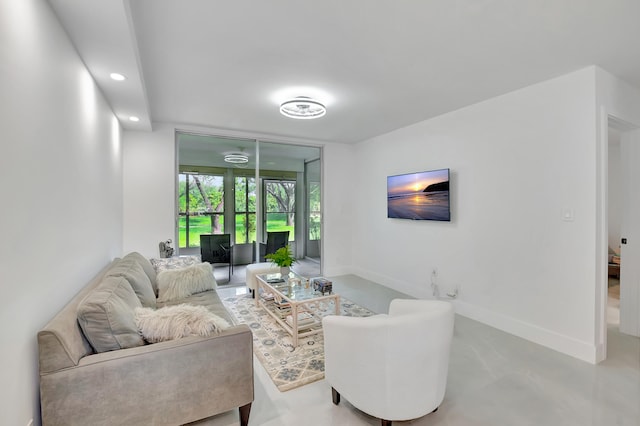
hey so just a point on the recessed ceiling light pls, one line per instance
(302, 108)
(117, 77)
(134, 118)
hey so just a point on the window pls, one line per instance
(245, 209)
(314, 211)
(280, 206)
(201, 207)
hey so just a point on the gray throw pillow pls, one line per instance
(106, 316)
(146, 266)
(131, 270)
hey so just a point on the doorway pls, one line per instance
(621, 288)
(614, 209)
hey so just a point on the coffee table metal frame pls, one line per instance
(300, 298)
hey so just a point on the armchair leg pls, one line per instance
(245, 410)
(335, 396)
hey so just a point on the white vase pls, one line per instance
(284, 271)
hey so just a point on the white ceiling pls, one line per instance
(378, 65)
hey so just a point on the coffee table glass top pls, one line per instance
(293, 287)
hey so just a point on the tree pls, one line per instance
(284, 193)
(215, 219)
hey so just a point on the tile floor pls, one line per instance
(494, 379)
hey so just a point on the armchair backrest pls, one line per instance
(276, 240)
(214, 248)
(391, 366)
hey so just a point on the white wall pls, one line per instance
(61, 186)
(149, 189)
(149, 192)
(517, 162)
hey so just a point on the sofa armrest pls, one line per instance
(172, 382)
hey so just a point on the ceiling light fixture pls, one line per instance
(236, 158)
(134, 118)
(117, 77)
(302, 108)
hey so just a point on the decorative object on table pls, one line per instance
(322, 285)
(165, 249)
(294, 281)
(283, 257)
(288, 366)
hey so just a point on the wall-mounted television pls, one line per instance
(419, 196)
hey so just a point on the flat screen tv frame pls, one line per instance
(420, 196)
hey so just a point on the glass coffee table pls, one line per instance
(293, 303)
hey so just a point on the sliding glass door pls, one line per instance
(246, 188)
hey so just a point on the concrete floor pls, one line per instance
(494, 379)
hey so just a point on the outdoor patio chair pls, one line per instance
(217, 249)
(275, 240)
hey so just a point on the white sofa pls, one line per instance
(393, 366)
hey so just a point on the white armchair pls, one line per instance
(393, 366)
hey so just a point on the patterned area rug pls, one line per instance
(289, 367)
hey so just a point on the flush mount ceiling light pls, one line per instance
(117, 76)
(302, 108)
(236, 158)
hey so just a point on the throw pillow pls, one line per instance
(146, 266)
(174, 322)
(130, 269)
(106, 316)
(175, 262)
(175, 284)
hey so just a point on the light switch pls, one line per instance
(567, 215)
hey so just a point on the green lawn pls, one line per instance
(197, 225)
(202, 225)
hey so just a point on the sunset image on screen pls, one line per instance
(419, 196)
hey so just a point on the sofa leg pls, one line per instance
(244, 414)
(335, 396)
(385, 422)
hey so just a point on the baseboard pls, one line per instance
(550, 339)
(390, 282)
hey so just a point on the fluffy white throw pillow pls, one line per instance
(175, 284)
(174, 322)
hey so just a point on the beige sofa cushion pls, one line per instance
(106, 316)
(146, 266)
(130, 269)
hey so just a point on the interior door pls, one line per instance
(630, 231)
